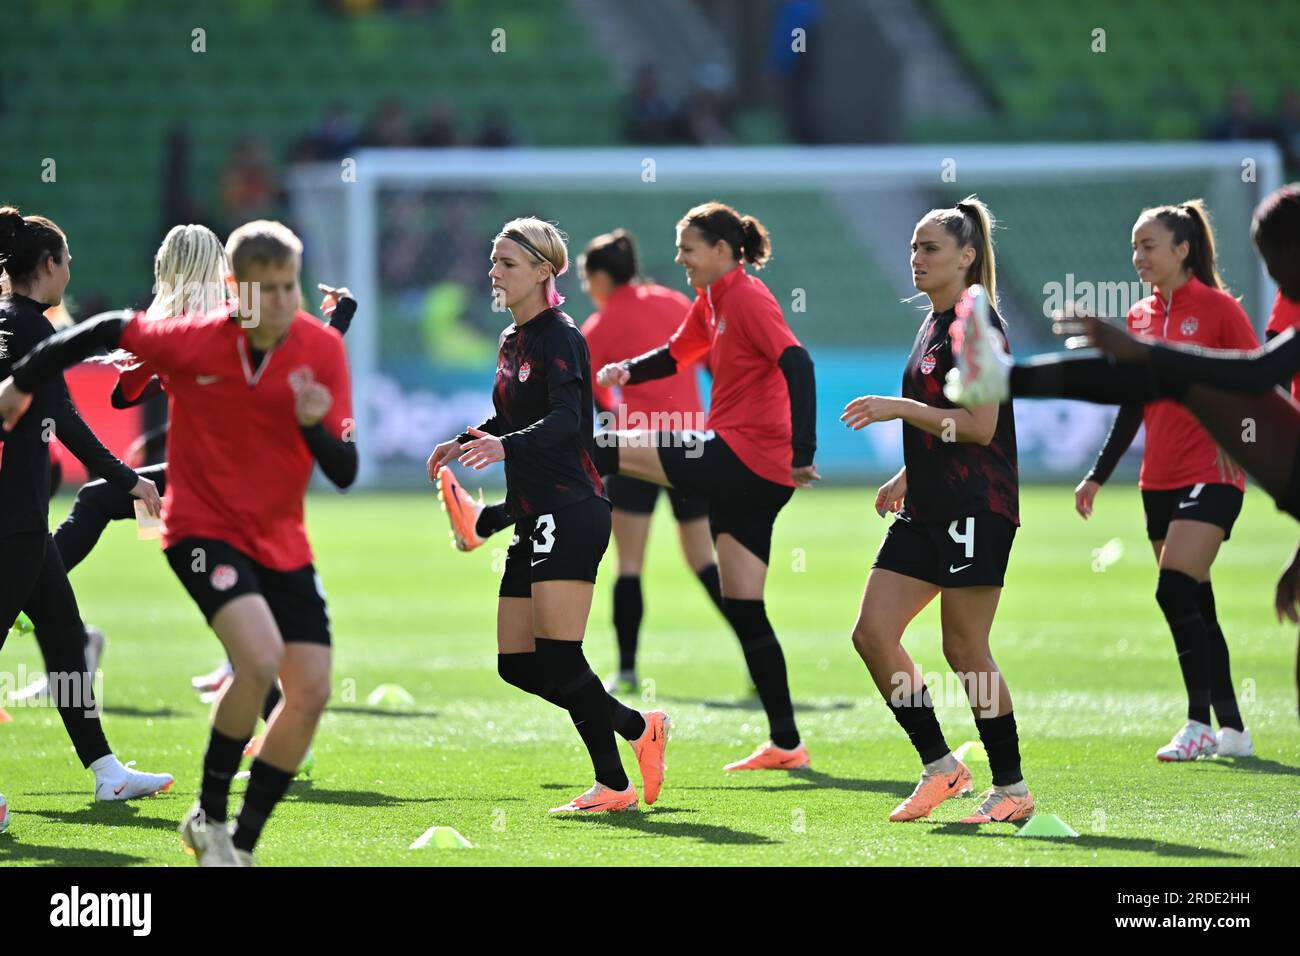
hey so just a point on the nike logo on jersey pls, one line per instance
(1186, 504)
(538, 561)
(207, 379)
(953, 570)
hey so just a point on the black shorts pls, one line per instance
(639, 497)
(965, 553)
(564, 546)
(1213, 504)
(741, 503)
(1290, 500)
(215, 573)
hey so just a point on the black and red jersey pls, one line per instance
(544, 415)
(952, 479)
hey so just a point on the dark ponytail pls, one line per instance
(614, 254)
(25, 241)
(1190, 223)
(747, 237)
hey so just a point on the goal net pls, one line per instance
(409, 231)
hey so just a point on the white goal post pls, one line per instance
(403, 228)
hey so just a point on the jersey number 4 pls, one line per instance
(966, 536)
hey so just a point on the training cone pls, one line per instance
(972, 751)
(1047, 825)
(4, 716)
(442, 838)
(390, 695)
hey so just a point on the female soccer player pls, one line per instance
(957, 501)
(36, 267)
(1191, 490)
(1222, 389)
(542, 430)
(632, 316)
(258, 388)
(759, 446)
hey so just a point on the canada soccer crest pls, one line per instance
(927, 364)
(524, 371)
(223, 577)
(1189, 325)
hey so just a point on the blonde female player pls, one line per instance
(542, 429)
(957, 506)
(631, 315)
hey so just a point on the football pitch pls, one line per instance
(1086, 653)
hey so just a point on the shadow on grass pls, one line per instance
(1095, 841)
(14, 850)
(381, 712)
(115, 814)
(652, 821)
(146, 712)
(753, 703)
(304, 791)
(1256, 765)
(809, 779)
(796, 781)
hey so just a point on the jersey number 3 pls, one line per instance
(966, 537)
(544, 534)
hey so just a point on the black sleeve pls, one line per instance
(71, 429)
(1122, 432)
(562, 420)
(491, 425)
(797, 367)
(657, 364)
(68, 347)
(341, 320)
(337, 458)
(154, 387)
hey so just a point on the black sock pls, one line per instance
(524, 671)
(628, 610)
(766, 667)
(564, 665)
(1089, 376)
(220, 764)
(1223, 697)
(492, 519)
(273, 698)
(1280, 361)
(1002, 744)
(605, 457)
(266, 786)
(97, 504)
(916, 716)
(1177, 595)
(708, 576)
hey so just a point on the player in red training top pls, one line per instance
(632, 317)
(958, 508)
(1191, 490)
(1285, 315)
(1221, 388)
(259, 389)
(758, 448)
(542, 429)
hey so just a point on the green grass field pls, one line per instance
(1087, 656)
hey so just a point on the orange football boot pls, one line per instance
(933, 790)
(771, 757)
